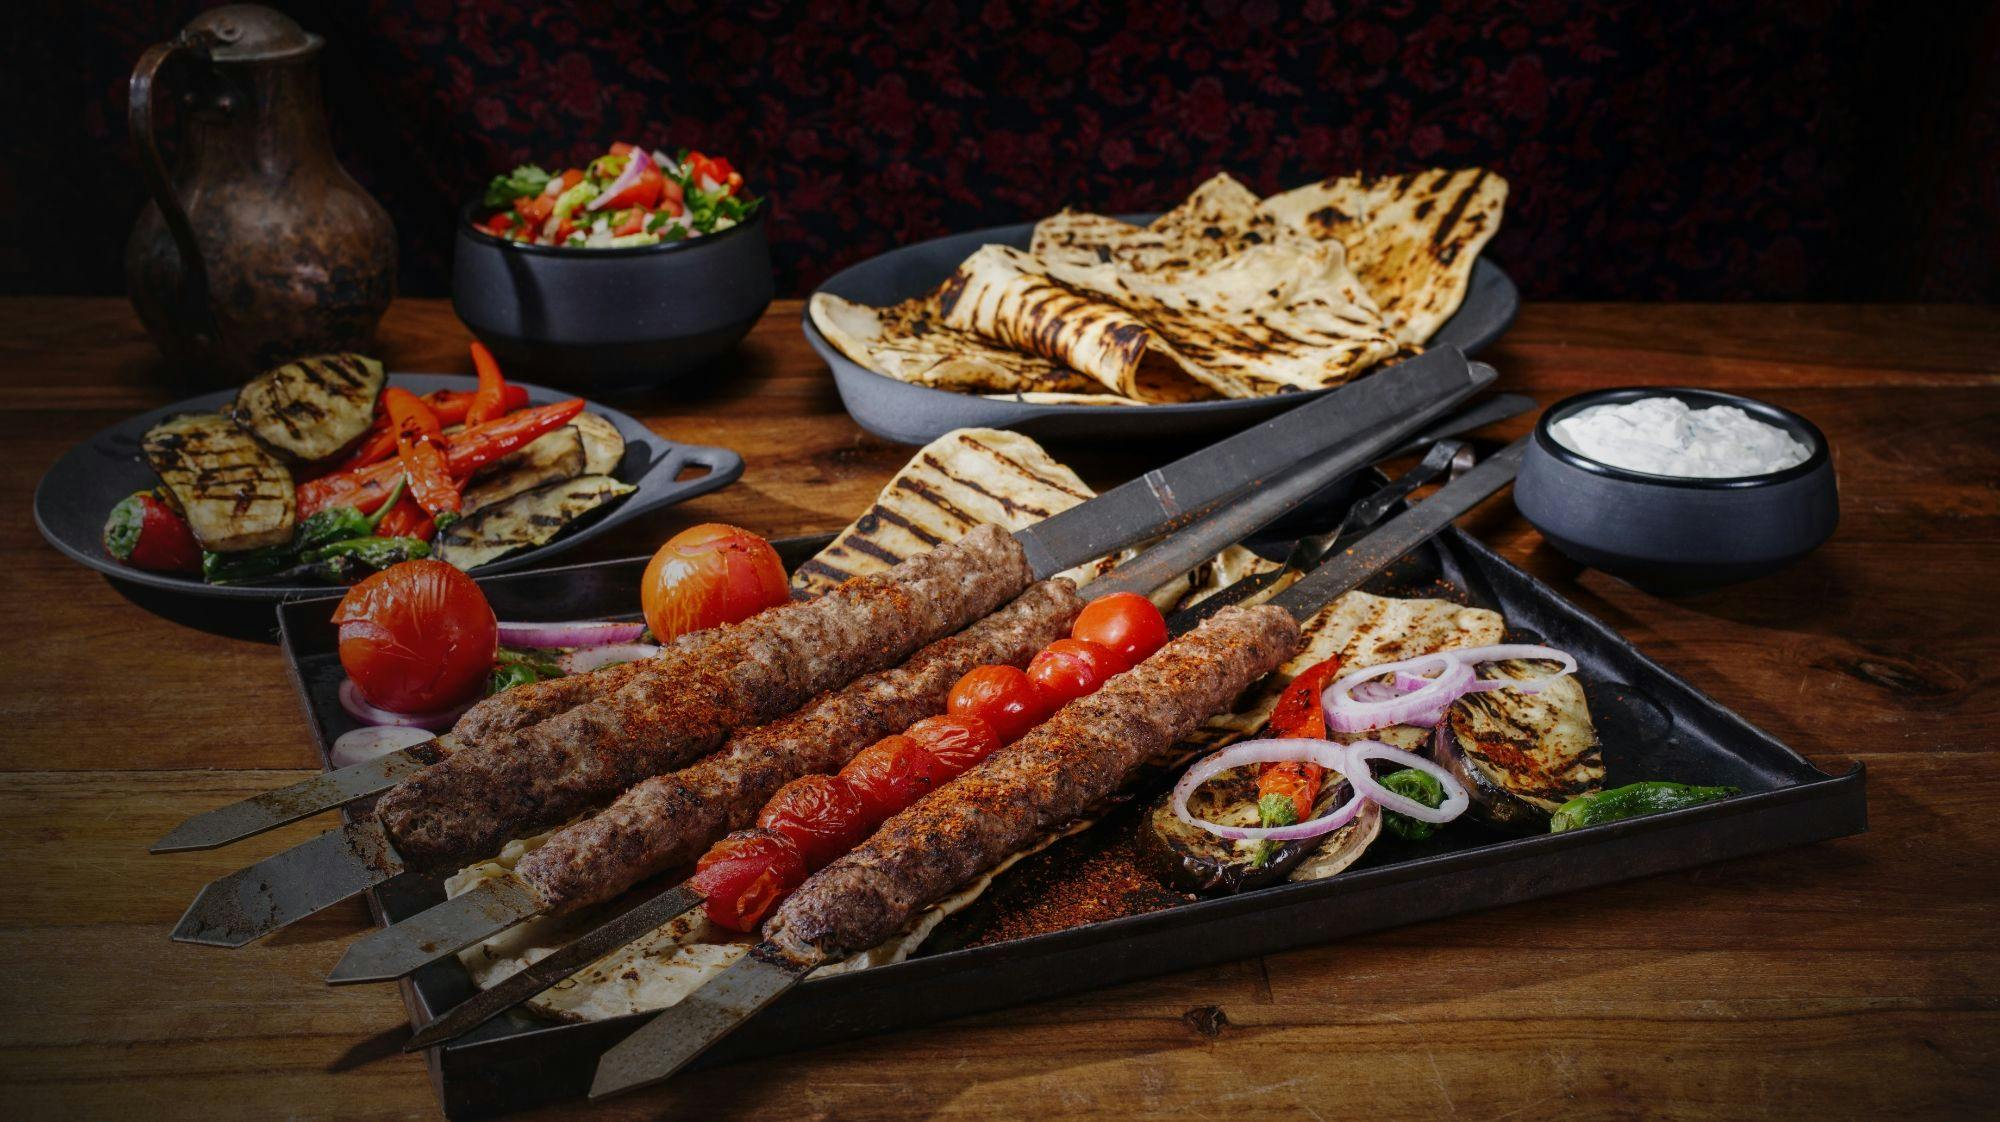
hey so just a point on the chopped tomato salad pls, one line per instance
(628, 196)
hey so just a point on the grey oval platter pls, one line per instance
(911, 414)
(77, 493)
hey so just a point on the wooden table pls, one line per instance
(1855, 978)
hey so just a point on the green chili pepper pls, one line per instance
(244, 565)
(1272, 811)
(1420, 786)
(1632, 801)
(518, 668)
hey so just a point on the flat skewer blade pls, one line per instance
(307, 797)
(671, 1040)
(544, 972)
(402, 948)
(1355, 564)
(287, 887)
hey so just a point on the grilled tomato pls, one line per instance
(955, 742)
(710, 575)
(1071, 668)
(1003, 696)
(892, 773)
(1125, 623)
(417, 637)
(821, 815)
(745, 874)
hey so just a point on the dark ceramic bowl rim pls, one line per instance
(508, 245)
(1798, 427)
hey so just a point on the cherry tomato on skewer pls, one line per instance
(1125, 623)
(1003, 696)
(1071, 668)
(743, 876)
(955, 742)
(821, 815)
(892, 773)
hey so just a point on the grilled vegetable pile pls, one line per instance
(320, 470)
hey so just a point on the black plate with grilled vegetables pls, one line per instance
(235, 489)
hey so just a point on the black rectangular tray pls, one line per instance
(1653, 725)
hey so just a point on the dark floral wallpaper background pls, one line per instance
(1703, 150)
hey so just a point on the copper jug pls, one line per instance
(258, 247)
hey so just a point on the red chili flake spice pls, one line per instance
(1078, 880)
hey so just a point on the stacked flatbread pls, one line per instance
(1225, 296)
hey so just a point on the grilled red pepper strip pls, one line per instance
(418, 448)
(365, 488)
(1285, 792)
(451, 408)
(406, 520)
(489, 402)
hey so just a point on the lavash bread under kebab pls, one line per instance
(685, 703)
(973, 477)
(670, 819)
(1411, 238)
(1022, 792)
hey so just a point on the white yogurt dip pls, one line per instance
(1663, 436)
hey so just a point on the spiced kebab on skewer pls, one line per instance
(1018, 795)
(686, 702)
(670, 819)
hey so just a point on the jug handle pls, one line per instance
(140, 120)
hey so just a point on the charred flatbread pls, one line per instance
(1272, 318)
(1412, 239)
(911, 343)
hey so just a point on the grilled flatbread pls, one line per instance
(1060, 312)
(910, 342)
(1412, 238)
(1220, 218)
(234, 494)
(1269, 319)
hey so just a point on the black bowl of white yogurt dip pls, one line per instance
(1677, 489)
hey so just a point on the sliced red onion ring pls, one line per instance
(590, 658)
(1361, 751)
(1428, 697)
(1508, 651)
(361, 709)
(1325, 753)
(364, 744)
(576, 633)
(635, 166)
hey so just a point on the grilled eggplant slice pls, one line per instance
(603, 444)
(527, 520)
(1198, 861)
(1521, 755)
(234, 494)
(310, 409)
(552, 458)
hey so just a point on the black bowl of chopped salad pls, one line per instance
(627, 273)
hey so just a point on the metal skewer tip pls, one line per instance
(386, 955)
(672, 1040)
(545, 972)
(286, 887)
(272, 809)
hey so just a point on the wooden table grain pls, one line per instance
(1858, 978)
